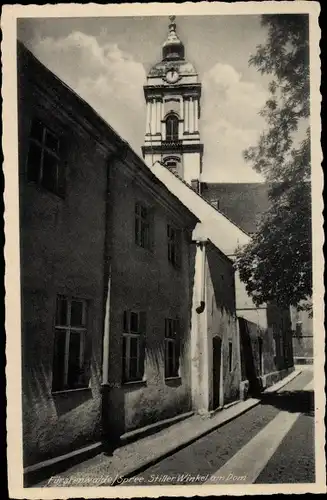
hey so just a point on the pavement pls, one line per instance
(130, 460)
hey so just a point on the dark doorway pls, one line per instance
(216, 344)
(248, 358)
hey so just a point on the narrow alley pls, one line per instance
(271, 443)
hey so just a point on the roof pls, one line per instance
(43, 77)
(215, 226)
(80, 111)
(243, 203)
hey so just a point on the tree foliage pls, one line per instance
(276, 264)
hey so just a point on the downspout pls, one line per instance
(201, 305)
(105, 385)
(120, 153)
(106, 334)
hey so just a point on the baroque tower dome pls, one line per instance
(173, 55)
(172, 48)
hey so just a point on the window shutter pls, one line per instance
(142, 343)
(126, 321)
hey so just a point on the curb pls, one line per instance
(283, 382)
(129, 472)
(41, 471)
(148, 430)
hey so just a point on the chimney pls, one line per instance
(195, 185)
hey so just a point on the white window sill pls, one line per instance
(65, 391)
(134, 382)
(173, 378)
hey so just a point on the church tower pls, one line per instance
(172, 94)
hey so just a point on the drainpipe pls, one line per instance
(120, 153)
(107, 441)
(201, 305)
(106, 335)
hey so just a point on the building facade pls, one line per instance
(152, 268)
(63, 160)
(107, 264)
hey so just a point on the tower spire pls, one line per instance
(172, 48)
(172, 94)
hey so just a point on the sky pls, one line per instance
(106, 60)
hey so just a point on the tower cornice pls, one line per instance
(178, 147)
(186, 89)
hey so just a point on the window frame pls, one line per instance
(59, 184)
(174, 243)
(127, 336)
(172, 338)
(172, 121)
(68, 329)
(142, 224)
(173, 163)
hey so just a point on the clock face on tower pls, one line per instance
(172, 76)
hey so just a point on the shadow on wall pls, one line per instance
(223, 279)
(249, 371)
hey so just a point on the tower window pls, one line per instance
(172, 164)
(172, 128)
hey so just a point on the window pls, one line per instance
(69, 348)
(43, 161)
(143, 226)
(172, 124)
(174, 246)
(172, 347)
(172, 163)
(230, 356)
(134, 330)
